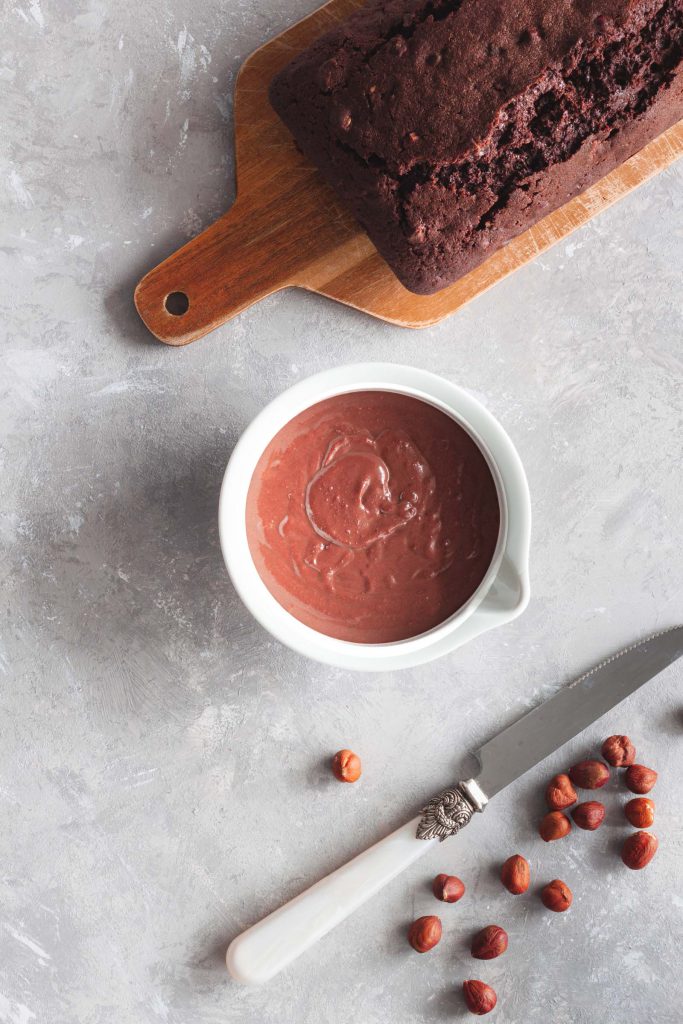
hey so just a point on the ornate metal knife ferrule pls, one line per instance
(451, 810)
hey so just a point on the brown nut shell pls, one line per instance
(425, 933)
(618, 751)
(640, 812)
(589, 815)
(554, 826)
(639, 849)
(560, 793)
(515, 874)
(346, 766)
(479, 997)
(640, 779)
(589, 774)
(448, 888)
(489, 943)
(557, 896)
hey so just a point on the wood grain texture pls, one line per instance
(287, 227)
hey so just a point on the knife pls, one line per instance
(263, 950)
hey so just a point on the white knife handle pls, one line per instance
(270, 945)
(259, 953)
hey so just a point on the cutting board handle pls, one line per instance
(229, 266)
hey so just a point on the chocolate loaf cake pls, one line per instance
(450, 126)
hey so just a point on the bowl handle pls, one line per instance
(509, 593)
(507, 598)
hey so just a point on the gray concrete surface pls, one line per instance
(163, 775)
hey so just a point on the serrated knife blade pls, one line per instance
(573, 708)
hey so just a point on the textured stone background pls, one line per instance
(162, 762)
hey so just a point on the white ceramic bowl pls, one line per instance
(501, 596)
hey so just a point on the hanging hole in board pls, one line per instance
(177, 303)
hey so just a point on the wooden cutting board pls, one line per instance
(287, 228)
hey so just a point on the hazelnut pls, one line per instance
(589, 774)
(425, 933)
(346, 766)
(554, 826)
(589, 815)
(602, 23)
(638, 850)
(330, 74)
(344, 120)
(640, 779)
(640, 812)
(515, 874)
(417, 235)
(560, 793)
(448, 888)
(489, 943)
(618, 751)
(373, 96)
(480, 998)
(557, 896)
